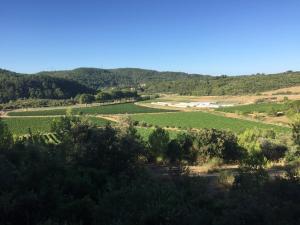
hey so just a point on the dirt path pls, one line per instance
(165, 171)
(112, 118)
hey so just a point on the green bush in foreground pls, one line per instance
(96, 176)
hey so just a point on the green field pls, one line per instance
(185, 120)
(260, 108)
(124, 108)
(21, 126)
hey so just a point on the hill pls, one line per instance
(178, 82)
(227, 85)
(98, 78)
(68, 83)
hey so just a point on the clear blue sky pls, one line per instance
(196, 36)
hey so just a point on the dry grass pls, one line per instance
(294, 90)
(229, 99)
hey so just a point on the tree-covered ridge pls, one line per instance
(178, 82)
(68, 83)
(14, 86)
(98, 78)
(227, 85)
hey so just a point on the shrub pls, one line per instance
(143, 124)
(226, 179)
(215, 143)
(135, 123)
(272, 151)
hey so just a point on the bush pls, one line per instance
(143, 124)
(135, 123)
(215, 143)
(272, 151)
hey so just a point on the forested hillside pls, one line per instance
(68, 83)
(177, 82)
(227, 85)
(14, 86)
(97, 78)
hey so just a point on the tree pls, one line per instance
(272, 151)
(6, 139)
(103, 96)
(86, 98)
(158, 142)
(296, 129)
(174, 151)
(186, 140)
(216, 143)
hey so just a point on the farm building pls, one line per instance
(190, 104)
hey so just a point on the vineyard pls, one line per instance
(259, 108)
(125, 108)
(23, 125)
(186, 120)
(47, 138)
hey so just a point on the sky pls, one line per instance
(196, 36)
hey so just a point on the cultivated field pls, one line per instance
(125, 108)
(21, 126)
(251, 108)
(185, 120)
(39, 120)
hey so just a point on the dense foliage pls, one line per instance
(98, 78)
(14, 86)
(35, 103)
(97, 176)
(105, 96)
(226, 85)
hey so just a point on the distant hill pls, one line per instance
(68, 83)
(98, 78)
